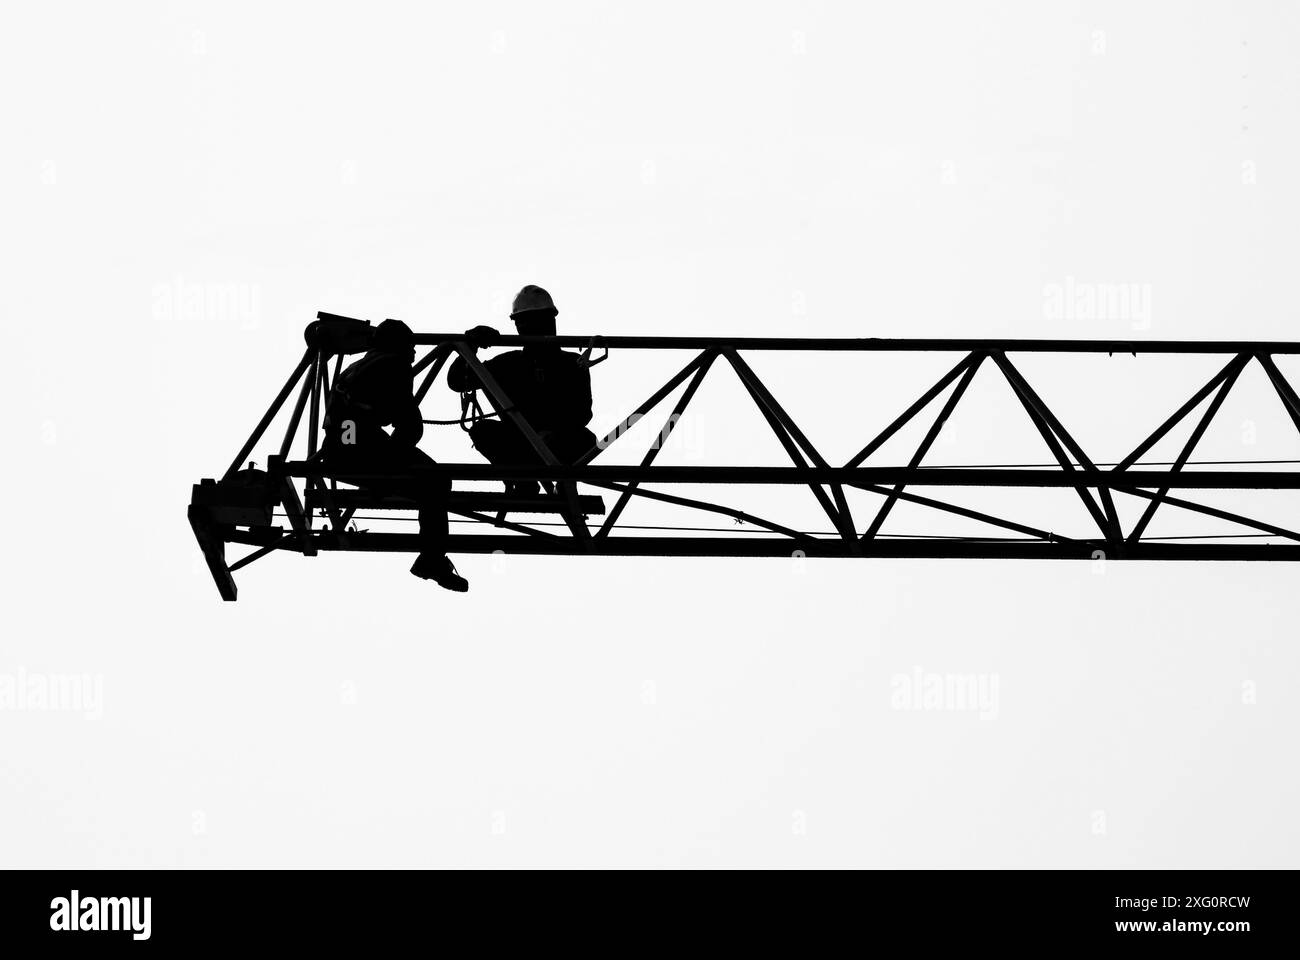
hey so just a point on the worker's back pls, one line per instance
(372, 392)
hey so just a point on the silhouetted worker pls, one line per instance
(373, 393)
(550, 387)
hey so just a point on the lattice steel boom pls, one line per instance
(320, 505)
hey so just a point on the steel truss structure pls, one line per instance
(240, 508)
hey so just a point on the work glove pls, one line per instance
(481, 336)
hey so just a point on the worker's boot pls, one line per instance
(438, 568)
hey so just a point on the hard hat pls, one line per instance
(393, 335)
(532, 299)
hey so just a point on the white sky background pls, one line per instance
(825, 170)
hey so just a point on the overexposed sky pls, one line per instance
(183, 185)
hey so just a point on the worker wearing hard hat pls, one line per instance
(370, 394)
(549, 387)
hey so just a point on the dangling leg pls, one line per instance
(432, 494)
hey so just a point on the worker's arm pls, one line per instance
(583, 396)
(575, 397)
(408, 426)
(459, 376)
